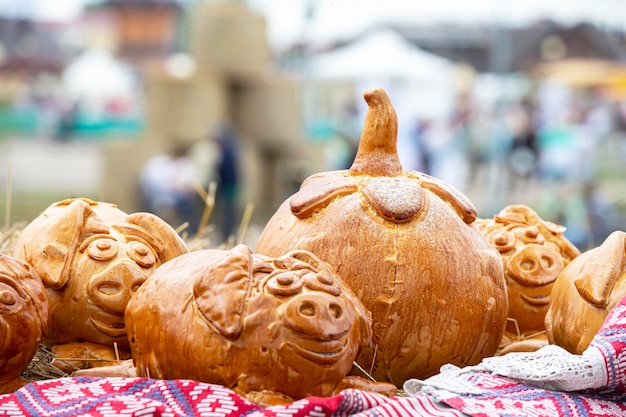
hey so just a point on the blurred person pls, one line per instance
(479, 143)
(557, 145)
(489, 144)
(619, 133)
(419, 136)
(570, 184)
(523, 157)
(445, 153)
(228, 181)
(339, 153)
(445, 145)
(410, 147)
(206, 155)
(68, 121)
(597, 123)
(168, 190)
(602, 216)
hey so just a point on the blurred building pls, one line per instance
(500, 49)
(145, 32)
(26, 47)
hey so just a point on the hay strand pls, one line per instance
(245, 223)
(40, 367)
(208, 197)
(7, 203)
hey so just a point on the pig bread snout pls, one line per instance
(112, 288)
(535, 265)
(318, 315)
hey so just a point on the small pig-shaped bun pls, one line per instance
(534, 252)
(23, 319)
(91, 257)
(283, 328)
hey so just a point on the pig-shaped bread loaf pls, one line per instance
(273, 330)
(534, 252)
(585, 292)
(23, 319)
(405, 244)
(91, 257)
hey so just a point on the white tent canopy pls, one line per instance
(420, 84)
(384, 54)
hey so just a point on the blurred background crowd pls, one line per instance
(162, 104)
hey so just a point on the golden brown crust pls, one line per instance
(85, 355)
(404, 244)
(378, 154)
(357, 382)
(91, 257)
(319, 193)
(271, 328)
(525, 345)
(534, 253)
(123, 369)
(23, 319)
(584, 293)
(12, 385)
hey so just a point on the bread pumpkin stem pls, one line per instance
(378, 153)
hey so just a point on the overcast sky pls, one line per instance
(332, 19)
(345, 18)
(56, 10)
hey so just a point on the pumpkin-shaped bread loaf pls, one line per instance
(23, 319)
(534, 252)
(404, 242)
(91, 257)
(585, 292)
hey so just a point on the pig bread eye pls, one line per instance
(503, 241)
(8, 299)
(530, 234)
(141, 253)
(102, 249)
(321, 282)
(286, 283)
(531, 231)
(262, 267)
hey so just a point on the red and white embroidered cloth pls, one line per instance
(107, 397)
(504, 397)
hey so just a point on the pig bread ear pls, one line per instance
(154, 230)
(600, 272)
(222, 291)
(50, 243)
